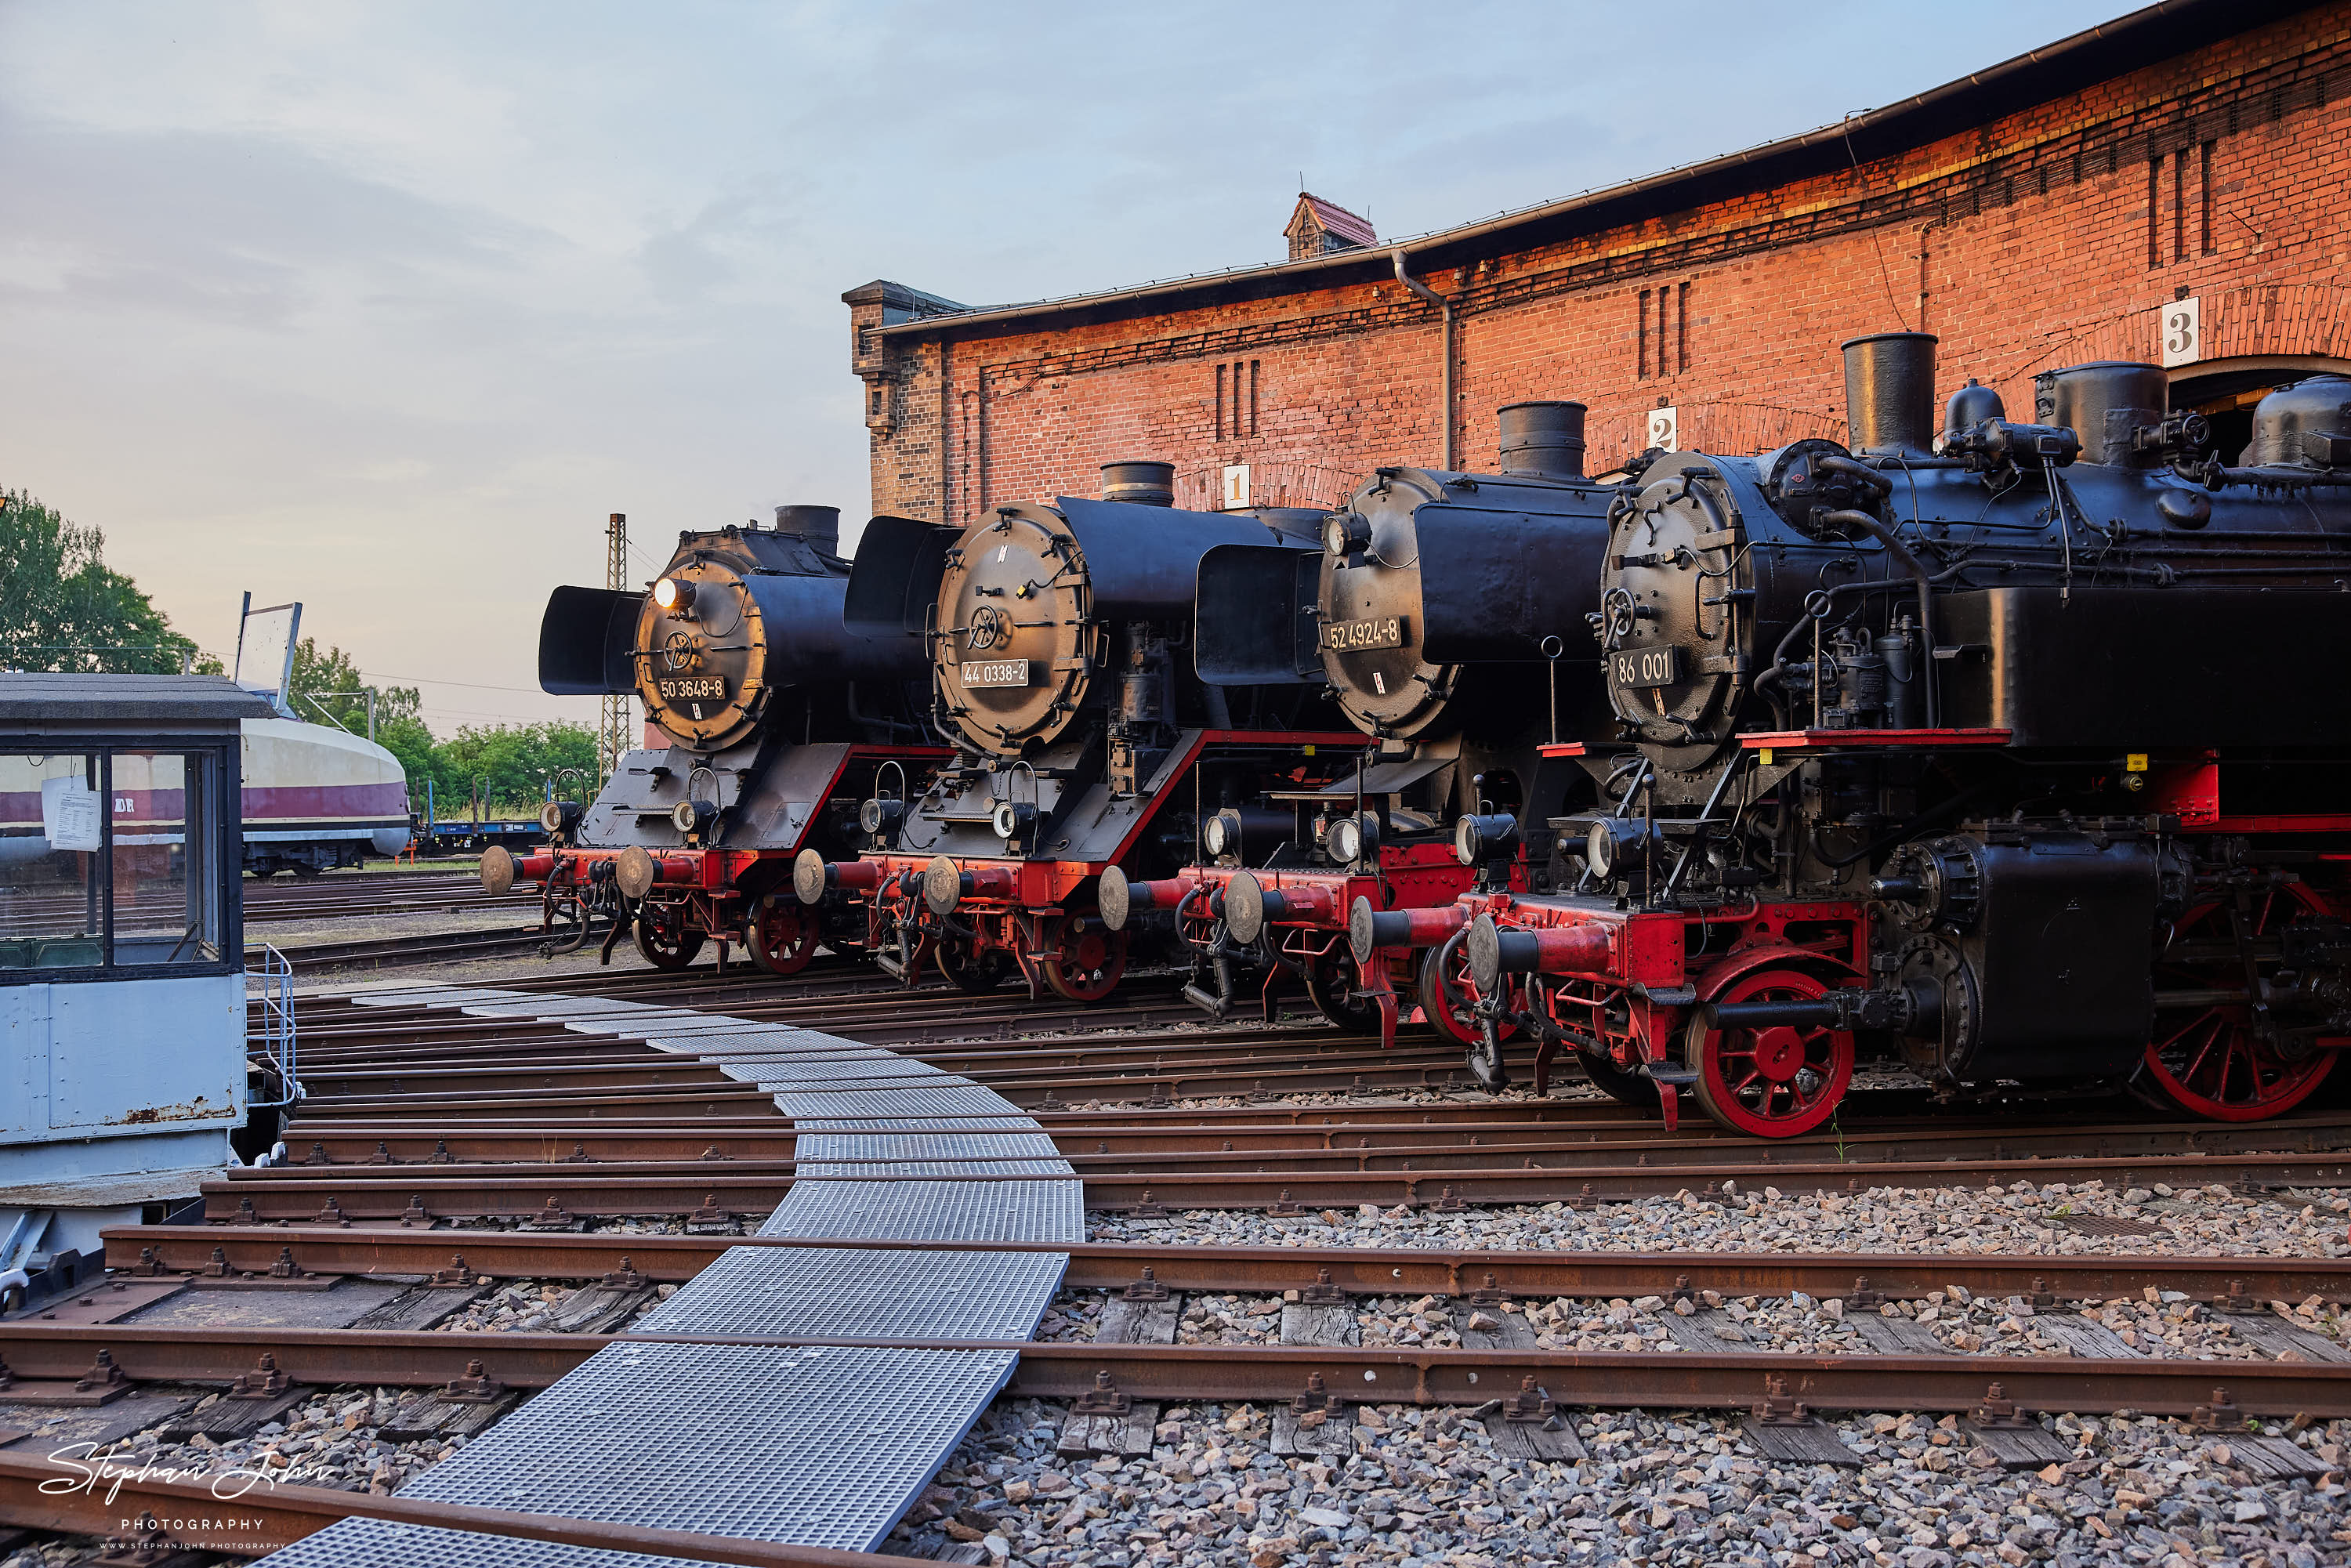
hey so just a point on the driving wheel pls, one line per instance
(782, 936)
(1086, 960)
(665, 940)
(2211, 1059)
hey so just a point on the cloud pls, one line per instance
(385, 308)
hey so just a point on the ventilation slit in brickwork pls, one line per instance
(2204, 191)
(1681, 326)
(1645, 335)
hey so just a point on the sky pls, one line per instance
(384, 308)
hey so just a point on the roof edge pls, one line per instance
(2131, 42)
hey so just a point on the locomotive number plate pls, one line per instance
(1349, 636)
(692, 688)
(997, 673)
(1646, 666)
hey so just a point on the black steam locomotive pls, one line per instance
(1086, 744)
(1438, 605)
(779, 721)
(2017, 760)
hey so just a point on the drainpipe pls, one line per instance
(1444, 307)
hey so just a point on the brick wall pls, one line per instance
(2047, 237)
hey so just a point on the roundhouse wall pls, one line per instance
(2028, 242)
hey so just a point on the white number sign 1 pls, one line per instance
(1236, 488)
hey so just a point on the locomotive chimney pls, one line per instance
(1889, 393)
(1542, 440)
(817, 527)
(2103, 403)
(1145, 481)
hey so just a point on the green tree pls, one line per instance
(325, 688)
(62, 608)
(507, 768)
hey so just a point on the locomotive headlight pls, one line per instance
(881, 815)
(673, 596)
(1345, 533)
(1484, 837)
(1612, 843)
(1013, 819)
(559, 816)
(693, 816)
(1352, 839)
(1221, 835)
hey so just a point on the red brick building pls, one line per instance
(2177, 175)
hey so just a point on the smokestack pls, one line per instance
(1889, 393)
(817, 527)
(1542, 440)
(1145, 481)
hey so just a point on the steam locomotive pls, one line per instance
(1437, 603)
(1086, 743)
(780, 721)
(2015, 760)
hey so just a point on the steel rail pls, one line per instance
(731, 1189)
(1368, 1270)
(405, 1146)
(296, 1192)
(1368, 1375)
(81, 1500)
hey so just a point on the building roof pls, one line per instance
(2114, 48)
(106, 700)
(1332, 219)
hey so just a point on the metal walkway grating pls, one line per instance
(812, 1445)
(378, 1543)
(1045, 1211)
(857, 1292)
(817, 1446)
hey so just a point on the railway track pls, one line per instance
(514, 1148)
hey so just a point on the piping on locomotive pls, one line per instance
(1439, 611)
(778, 720)
(2019, 764)
(1084, 742)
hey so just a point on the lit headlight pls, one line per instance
(672, 595)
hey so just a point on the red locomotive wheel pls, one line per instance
(972, 971)
(2206, 1057)
(781, 936)
(1334, 984)
(1087, 961)
(1776, 1082)
(1448, 993)
(665, 945)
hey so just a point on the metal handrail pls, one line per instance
(280, 1039)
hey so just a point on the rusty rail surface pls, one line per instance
(1385, 1271)
(76, 1499)
(1371, 1374)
